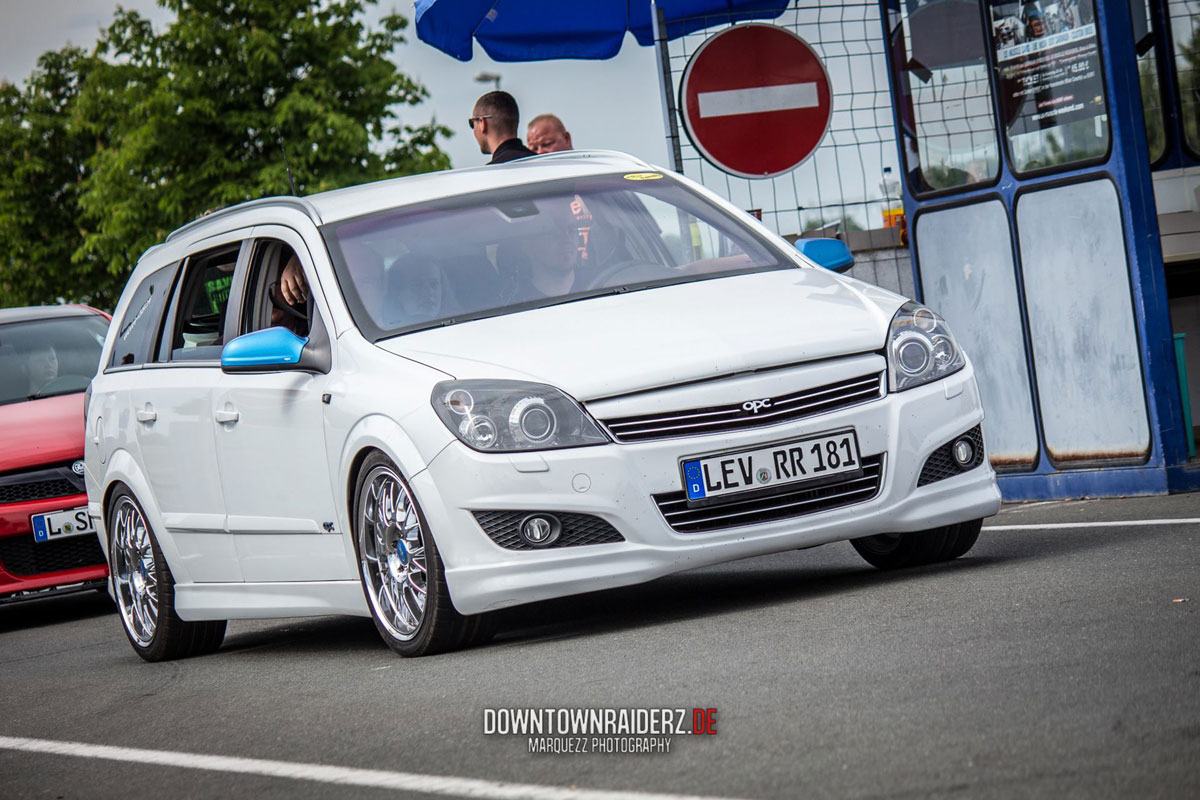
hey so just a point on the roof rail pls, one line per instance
(611, 155)
(297, 203)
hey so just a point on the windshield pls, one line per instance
(530, 246)
(45, 357)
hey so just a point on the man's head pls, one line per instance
(554, 248)
(546, 134)
(494, 120)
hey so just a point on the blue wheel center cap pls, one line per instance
(402, 551)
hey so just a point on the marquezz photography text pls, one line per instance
(599, 730)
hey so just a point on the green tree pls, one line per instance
(1156, 134)
(43, 156)
(200, 116)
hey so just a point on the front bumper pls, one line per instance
(80, 558)
(621, 480)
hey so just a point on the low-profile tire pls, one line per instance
(917, 548)
(145, 589)
(964, 538)
(402, 575)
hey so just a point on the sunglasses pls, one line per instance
(472, 120)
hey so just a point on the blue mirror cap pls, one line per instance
(829, 253)
(273, 348)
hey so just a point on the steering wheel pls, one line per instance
(278, 302)
(638, 271)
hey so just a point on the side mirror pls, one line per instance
(268, 350)
(832, 254)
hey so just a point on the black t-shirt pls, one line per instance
(510, 150)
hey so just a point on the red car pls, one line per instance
(48, 544)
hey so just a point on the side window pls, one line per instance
(138, 330)
(203, 298)
(266, 305)
(944, 91)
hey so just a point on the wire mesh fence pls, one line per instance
(849, 186)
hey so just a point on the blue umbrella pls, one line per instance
(537, 30)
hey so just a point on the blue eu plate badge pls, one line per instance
(694, 477)
(40, 533)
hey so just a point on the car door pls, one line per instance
(172, 414)
(270, 438)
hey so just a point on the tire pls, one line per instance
(145, 590)
(964, 539)
(899, 550)
(401, 571)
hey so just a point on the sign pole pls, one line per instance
(670, 119)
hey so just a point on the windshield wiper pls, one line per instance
(41, 396)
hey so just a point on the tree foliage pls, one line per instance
(152, 129)
(43, 158)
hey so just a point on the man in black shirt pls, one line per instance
(494, 123)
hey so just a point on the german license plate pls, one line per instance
(61, 524)
(811, 459)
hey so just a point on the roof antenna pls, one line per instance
(286, 165)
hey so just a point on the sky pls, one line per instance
(610, 104)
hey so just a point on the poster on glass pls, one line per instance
(1050, 82)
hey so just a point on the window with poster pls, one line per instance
(1051, 83)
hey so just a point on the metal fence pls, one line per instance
(851, 180)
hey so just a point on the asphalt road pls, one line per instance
(1047, 662)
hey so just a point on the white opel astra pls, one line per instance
(428, 398)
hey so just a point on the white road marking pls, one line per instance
(1106, 524)
(758, 99)
(323, 773)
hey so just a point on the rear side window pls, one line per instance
(137, 332)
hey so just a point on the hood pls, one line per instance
(612, 345)
(38, 432)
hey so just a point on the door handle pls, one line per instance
(147, 415)
(226, 415)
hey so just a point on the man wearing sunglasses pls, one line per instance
(494, 123)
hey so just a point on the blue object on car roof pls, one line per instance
(832, 254)
(520, 30)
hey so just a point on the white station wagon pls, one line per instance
(502, 385)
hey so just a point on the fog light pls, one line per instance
(540, 530)
(964, 452)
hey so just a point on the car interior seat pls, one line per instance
(476, 283)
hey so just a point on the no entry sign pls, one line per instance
(756, 100)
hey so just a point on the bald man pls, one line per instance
(546, 134)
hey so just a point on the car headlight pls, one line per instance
(506, 416)
(920, 348)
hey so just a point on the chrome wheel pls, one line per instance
(391, 547)
(135, 578)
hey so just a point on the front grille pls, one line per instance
(797, 502)
(21, 555)
(733, 417)
(577, 529)
(40, 484)
(941, 464)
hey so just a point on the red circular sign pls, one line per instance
(756, 100)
